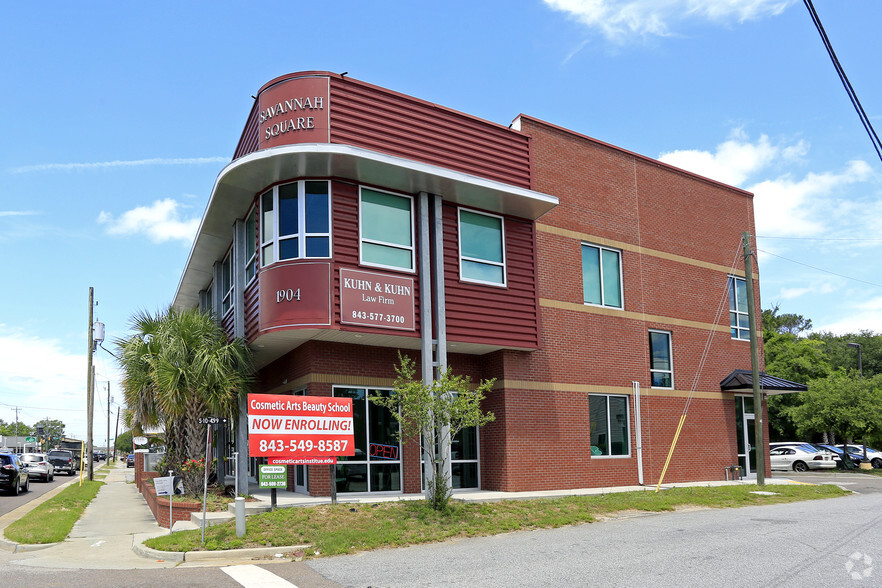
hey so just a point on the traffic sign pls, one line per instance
(212, 420)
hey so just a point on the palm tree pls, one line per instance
(178, 366)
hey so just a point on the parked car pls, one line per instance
(39, 466)
(14, 474)
(837, 454)
(873, 455)
(130, 460)
(63, 460)
(800, 458)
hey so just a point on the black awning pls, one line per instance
(742, 381)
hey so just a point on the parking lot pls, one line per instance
(854, 481)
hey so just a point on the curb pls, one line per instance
(222, 554)
(13, 547)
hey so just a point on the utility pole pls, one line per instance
(754, 365)
(107, 452)
(116, 434)
(16, 409)
(90, 381)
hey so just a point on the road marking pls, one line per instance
(251, 576)
(98, 544)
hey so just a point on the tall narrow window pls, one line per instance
(601, 276)
(296, 221)
(386, 227)
(738, 317)
(267, 228)
(251, 245)
(227, 283)
(661, 367)
(609, 425)
(481, 248)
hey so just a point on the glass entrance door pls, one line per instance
(744, 425)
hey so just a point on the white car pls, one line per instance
(39, 466)
(800, 458)
(873, 455)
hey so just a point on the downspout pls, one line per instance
(638, 431)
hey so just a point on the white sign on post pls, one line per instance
(164, 486)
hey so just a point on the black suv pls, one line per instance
(14, 474)
(63, 460)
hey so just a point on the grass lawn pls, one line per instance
(52, 521)
(348, 528)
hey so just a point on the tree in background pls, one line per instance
(124, 443)
(435, 413)
(842, 403)
(179, 366)
(791, 356)
(9, 429)
(53, 431)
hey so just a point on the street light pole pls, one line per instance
(860, 359)
(861, 373)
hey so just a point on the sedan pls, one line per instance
(800, 458)
(873, 455)
(39, 466)
(14, 474)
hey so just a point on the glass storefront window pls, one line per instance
(377, 449)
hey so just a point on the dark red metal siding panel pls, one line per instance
(227, 324)
(496, 316)
(252, 310)
(248, 140)
(345, 243)
(380, 120)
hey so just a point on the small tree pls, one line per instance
(841, 403)
(435, 413)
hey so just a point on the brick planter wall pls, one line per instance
(159, 504)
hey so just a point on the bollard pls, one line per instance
(240, 516)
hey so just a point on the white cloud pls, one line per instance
(806, 207)
(18, 213)
(785, 205)
(161, 221)
(45, 380)
(47, 167)
(735, 160)
(618, 19)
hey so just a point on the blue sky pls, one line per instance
(117, 117)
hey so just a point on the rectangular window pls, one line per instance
(661, 367)
(609, 424)
(227, 283)
(738, 317)
(251, 245)
(481, 248)
(296, 221)
(376, 465)
(386, 230)
(601, 276)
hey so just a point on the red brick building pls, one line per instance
(602, 289)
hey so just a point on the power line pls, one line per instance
(865, 120)
(820, 269)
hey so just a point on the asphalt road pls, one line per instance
(833, 542)
(814, 543)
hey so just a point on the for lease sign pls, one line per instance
(299, 426)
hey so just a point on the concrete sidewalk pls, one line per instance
(103, 538)
(113, 527)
